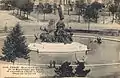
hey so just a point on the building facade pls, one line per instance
(55, 1)
(70, 1)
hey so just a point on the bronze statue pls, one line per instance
(57, 35)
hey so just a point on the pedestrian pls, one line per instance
(70, 34)
(54, 64)
(6, 28)
(29, 61)
(50, 64)
(71, 7)
(61, 16)
(36, 38)
(37, 51)
(70, 31)
(99, 40)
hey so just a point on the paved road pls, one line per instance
(107, 52)
(100, 52)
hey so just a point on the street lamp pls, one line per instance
(68, 7)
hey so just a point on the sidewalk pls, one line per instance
(110, 38)
(93, 26)
(9, 20)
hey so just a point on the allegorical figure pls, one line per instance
(58, 35)
(60, 12)
(60, 24)
(61, 34)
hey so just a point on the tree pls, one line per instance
(90, 14)
(15, 45)
(28, 7)
(80, 70)
(113, 10)
(65, 70)
(118, 15)
(80, 8)
(13, 4)
(97, 5)
(47, 8)
(21, 5)
(6, 4)
(25, 5)
(103, 14)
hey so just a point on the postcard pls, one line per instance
(59, 39)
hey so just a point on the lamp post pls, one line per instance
(68, 7)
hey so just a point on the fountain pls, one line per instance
(58, 42)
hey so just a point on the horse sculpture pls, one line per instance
(59, 35)
(46, 37)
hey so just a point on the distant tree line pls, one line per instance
(20, 5)
(44, 8)
(91, 12)
(88, 11)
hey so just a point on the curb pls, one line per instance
(103, 38)
(81, 36)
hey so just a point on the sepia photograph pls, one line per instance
(59, 38)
